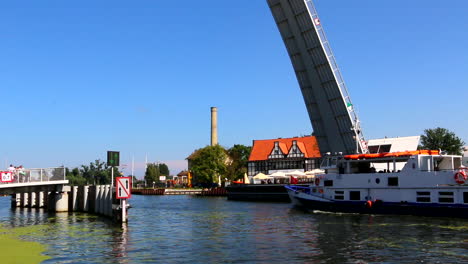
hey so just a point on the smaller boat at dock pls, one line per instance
(257, 192)
(422, 182)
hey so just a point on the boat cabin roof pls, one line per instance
(426, 160)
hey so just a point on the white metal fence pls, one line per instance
(37, 175)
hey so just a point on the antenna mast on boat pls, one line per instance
(331, 112)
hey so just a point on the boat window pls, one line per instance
(425, 163)
(328, 183)
(465, 197)
(354, 195)
(457, 162)
(423, 197)
(445, 197)
(392, 181)
(339, 195)
(364, 167)
(380, 148)
(449, 163)
(445, 193)
(329, 162)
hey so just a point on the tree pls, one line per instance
(97, 172)
(74, 177)
(441, 138)
(163, 169)
(152, 173)
(208, 163)
(239, 156)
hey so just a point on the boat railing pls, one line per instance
(296, 188)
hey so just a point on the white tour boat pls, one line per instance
(422, 182)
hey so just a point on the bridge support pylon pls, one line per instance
(15, 200)
(24, 199)
(32, 200)
(40, 196)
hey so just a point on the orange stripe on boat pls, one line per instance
(391, 154)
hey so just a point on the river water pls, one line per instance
(186, 229)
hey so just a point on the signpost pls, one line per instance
(113, 158)
(123, 186)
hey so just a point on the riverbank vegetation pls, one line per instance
(96, 172)
(214, 163)
(152, 173)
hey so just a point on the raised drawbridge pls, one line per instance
(334, 120)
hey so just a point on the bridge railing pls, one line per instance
(37, 175)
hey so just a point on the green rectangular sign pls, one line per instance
(113, 158)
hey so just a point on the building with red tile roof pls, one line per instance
(284, 154)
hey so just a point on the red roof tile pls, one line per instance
(302, 147)
(262, 148)
(283, 148)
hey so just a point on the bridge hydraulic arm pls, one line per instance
(334, 120)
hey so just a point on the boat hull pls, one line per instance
(315, 203)
(258, 192)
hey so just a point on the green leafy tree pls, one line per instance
(441, 138)
(163, 169)
(152, 173)
(97, 172)
(74, 177)
(208, 163)
(239, 157)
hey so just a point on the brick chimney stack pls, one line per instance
(214, 126)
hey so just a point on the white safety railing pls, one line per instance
(360, 141)
(26, 175)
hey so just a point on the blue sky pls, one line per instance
(80, 78)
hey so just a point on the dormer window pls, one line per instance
(294, 151)
(276, 153)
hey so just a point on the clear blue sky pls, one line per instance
(80, 78)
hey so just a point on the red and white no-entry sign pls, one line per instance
(123, 187)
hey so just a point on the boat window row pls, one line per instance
(391, 181)
(380, 148)
(421, 196)
(444, 197)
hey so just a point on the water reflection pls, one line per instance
(120, 244)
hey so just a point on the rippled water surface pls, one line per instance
(185, 229)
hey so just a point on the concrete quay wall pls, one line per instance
(95, 199)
